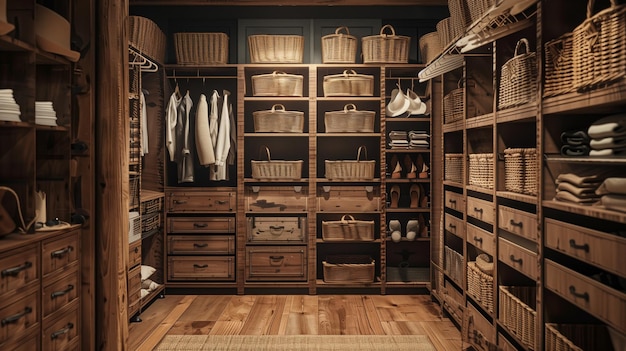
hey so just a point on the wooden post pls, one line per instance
(112, 190)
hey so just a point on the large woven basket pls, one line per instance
(481, 170)
(599, 51)
(516, 314)
(339, 47)
(276, 48)
(559, 66)
(201, 48)
(453, 104)
(386, 48)
(348, 228)
(278, 120)
(518, 79)
(146, 36)
(276, 169)
(277, 84)
(348, 269)
(460, 17)
(577, 337)
(430, 46)
(478, 7)
(520, 170)
(444, 32)
(454, 167)
(349, 120)
(348, 83)
(351, 169)
(480, 286)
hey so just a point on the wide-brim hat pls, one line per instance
(53, 33)
(398, 103)
(5, 27)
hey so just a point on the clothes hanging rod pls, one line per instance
(202, 77)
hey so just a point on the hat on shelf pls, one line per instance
(53, 33)
(5, 27)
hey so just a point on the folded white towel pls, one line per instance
(614, 125)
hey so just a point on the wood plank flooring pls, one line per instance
(293, 314)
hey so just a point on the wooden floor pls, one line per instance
(293, 314)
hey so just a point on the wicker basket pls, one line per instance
(518, 80)
(349, 120)
(351, 169)
(454, 167)
(478, 7)
(348, 83)
(453, 265)
(480, 286)
(514, 312)
(453, 105)
(599, 49)
(278, 120)
(151, 206)
(430, 47)
(150, 222)
(201, 48)
(444, 32)
(147, 37)
(577, 337)
(559, 66)
(339, 47)
(348, 228)
(460, 17)
(386, 48)
(520, 170)
(276, 169)
(348, 269)
(276, 48)
(277, 84)
(481, 170)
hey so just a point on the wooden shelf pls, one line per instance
(594, 101)
(527, 112)
(484, 121)
(529, 199)
(590, 211)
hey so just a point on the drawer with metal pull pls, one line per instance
(201, 244)
(481, 239)
(61, 292)
(276, 263)
(519, 258)
(60, 253)
(193, 268)
(454, 225)
(62, 333)
(190, 225)
(480, 209)
(18, 268)
(518, 222)
(200, 201)
(454, 201)
(276, 229)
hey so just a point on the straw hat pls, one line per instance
(5, 27)
(53, 33)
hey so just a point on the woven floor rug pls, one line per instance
(295, 343)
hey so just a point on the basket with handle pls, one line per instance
(599, 49)
(348, 228)
(386, 48)
(348, 83)
(518, 78)
(351, 169)
(275, 169)
(453, 104)
(278, 120)
(265, 48)
(559, 66)
(277, 84)
(201, 48)
(146, 36)
(349, 120)
(339, 47)
(348, 269)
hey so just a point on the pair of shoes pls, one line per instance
(410, 167)
(397, 169)
(396, 230)
(417, 193)
(412, 230)
(394, 195)
(422, 167)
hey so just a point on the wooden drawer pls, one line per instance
(276, 263)
(19, 314)
(60, 253)
(606, 251)
(481, 239)
(19, 268)
(454, 201)
(190, 225)
(480, 209)
(134, 285)
(30, 342)
(518, 222)
(201, 244)
(519, 258)
(200, 201)
(504, 344)
(347, 199)
(62, 333)
(455, 225)
(276, 198)
(134, 254)
(201, 268)
(605, 303)
(61, 292)
(276, 229)
(477, 330)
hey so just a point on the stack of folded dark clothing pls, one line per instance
(577, 189)
(398, 139)
(613, 194)
(608, 136)
(575, 143)
(419, 139)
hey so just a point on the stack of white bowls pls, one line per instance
(45, 114)
(9, 109)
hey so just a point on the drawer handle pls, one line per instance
(276, 258)
(62, 252)
(15, 270)
(277, 230)
(222, 202)
(453, 226)
(180, 202)
(56, 294)
(200, 225)
(60, 332)
(515, 260)
(16, 317)
(200, 266)
(516, 224)
(200, 245)
(452, 202)
(479, 210)
(137, 249)
(584, 296)
(573, 245)
(478, 240)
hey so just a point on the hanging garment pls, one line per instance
(232, 151)
(223, 139)
(213, 118)
(183, 157)
(204, 144)
(170, 123)
(144, 124)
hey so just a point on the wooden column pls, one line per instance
(112, 188)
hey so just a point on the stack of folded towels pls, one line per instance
(612, 194)
(608, 136)
(398, 139)
(419, 139)
(575, 143)
(577, 189)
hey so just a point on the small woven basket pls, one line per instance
(348, 83)
(201, 48)
(348, 228)
(453, 104)
(559, 66)
(277, 84)
(276, 169)
(339, 47)
(520, 170)
(480, 286)
(278, 120)
(577, 337)
(386, 48)
(518, 79)
(349, 120)
(481, 170)
(276, 48)
(454, 167)
(351, 169)
(147, 37)
(516, 314)
(430, 46)
(348, 269)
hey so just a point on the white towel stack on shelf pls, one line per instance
(45, 114)
(608, 136)
(9, 109)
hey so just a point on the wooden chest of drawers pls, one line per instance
(273, 199)
(134, 290)
(276, 263)
(348, 199)
(276, 229)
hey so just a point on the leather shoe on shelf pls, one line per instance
(411, 170)
(415, 193)
(394, 195)
(395, 166)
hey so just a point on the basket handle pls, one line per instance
(267, 152)
(349, 72)
(590, 6)
(340, 28)
(459, 84)
(350, 218)
(275, 73)
(382, 31)
(519, 42)
(358, 153)
(349, 107)
(274, 107)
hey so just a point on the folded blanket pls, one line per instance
(575, 150)
(566, 196)
(613, 202)
(418, 135)
(592, 181)
(583, 193)
(575, 137)
(612, 185)
(614, 125)
(608, 152)
(608, 143)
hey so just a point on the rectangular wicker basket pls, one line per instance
(348, 228)
(278, 120)
(386, 48)
(429, 46)
(276, 48)
(577, 337)
(520, 170)
(481, 170)
(453, 104)
(277, 84)
(351, 169)
(348, 269)
(201, 48)
(454, 167)
(516, 314)
(559, 66)
(339, 47)
(349, 120)
(348, 83)
(276, 169)
(480, 286)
